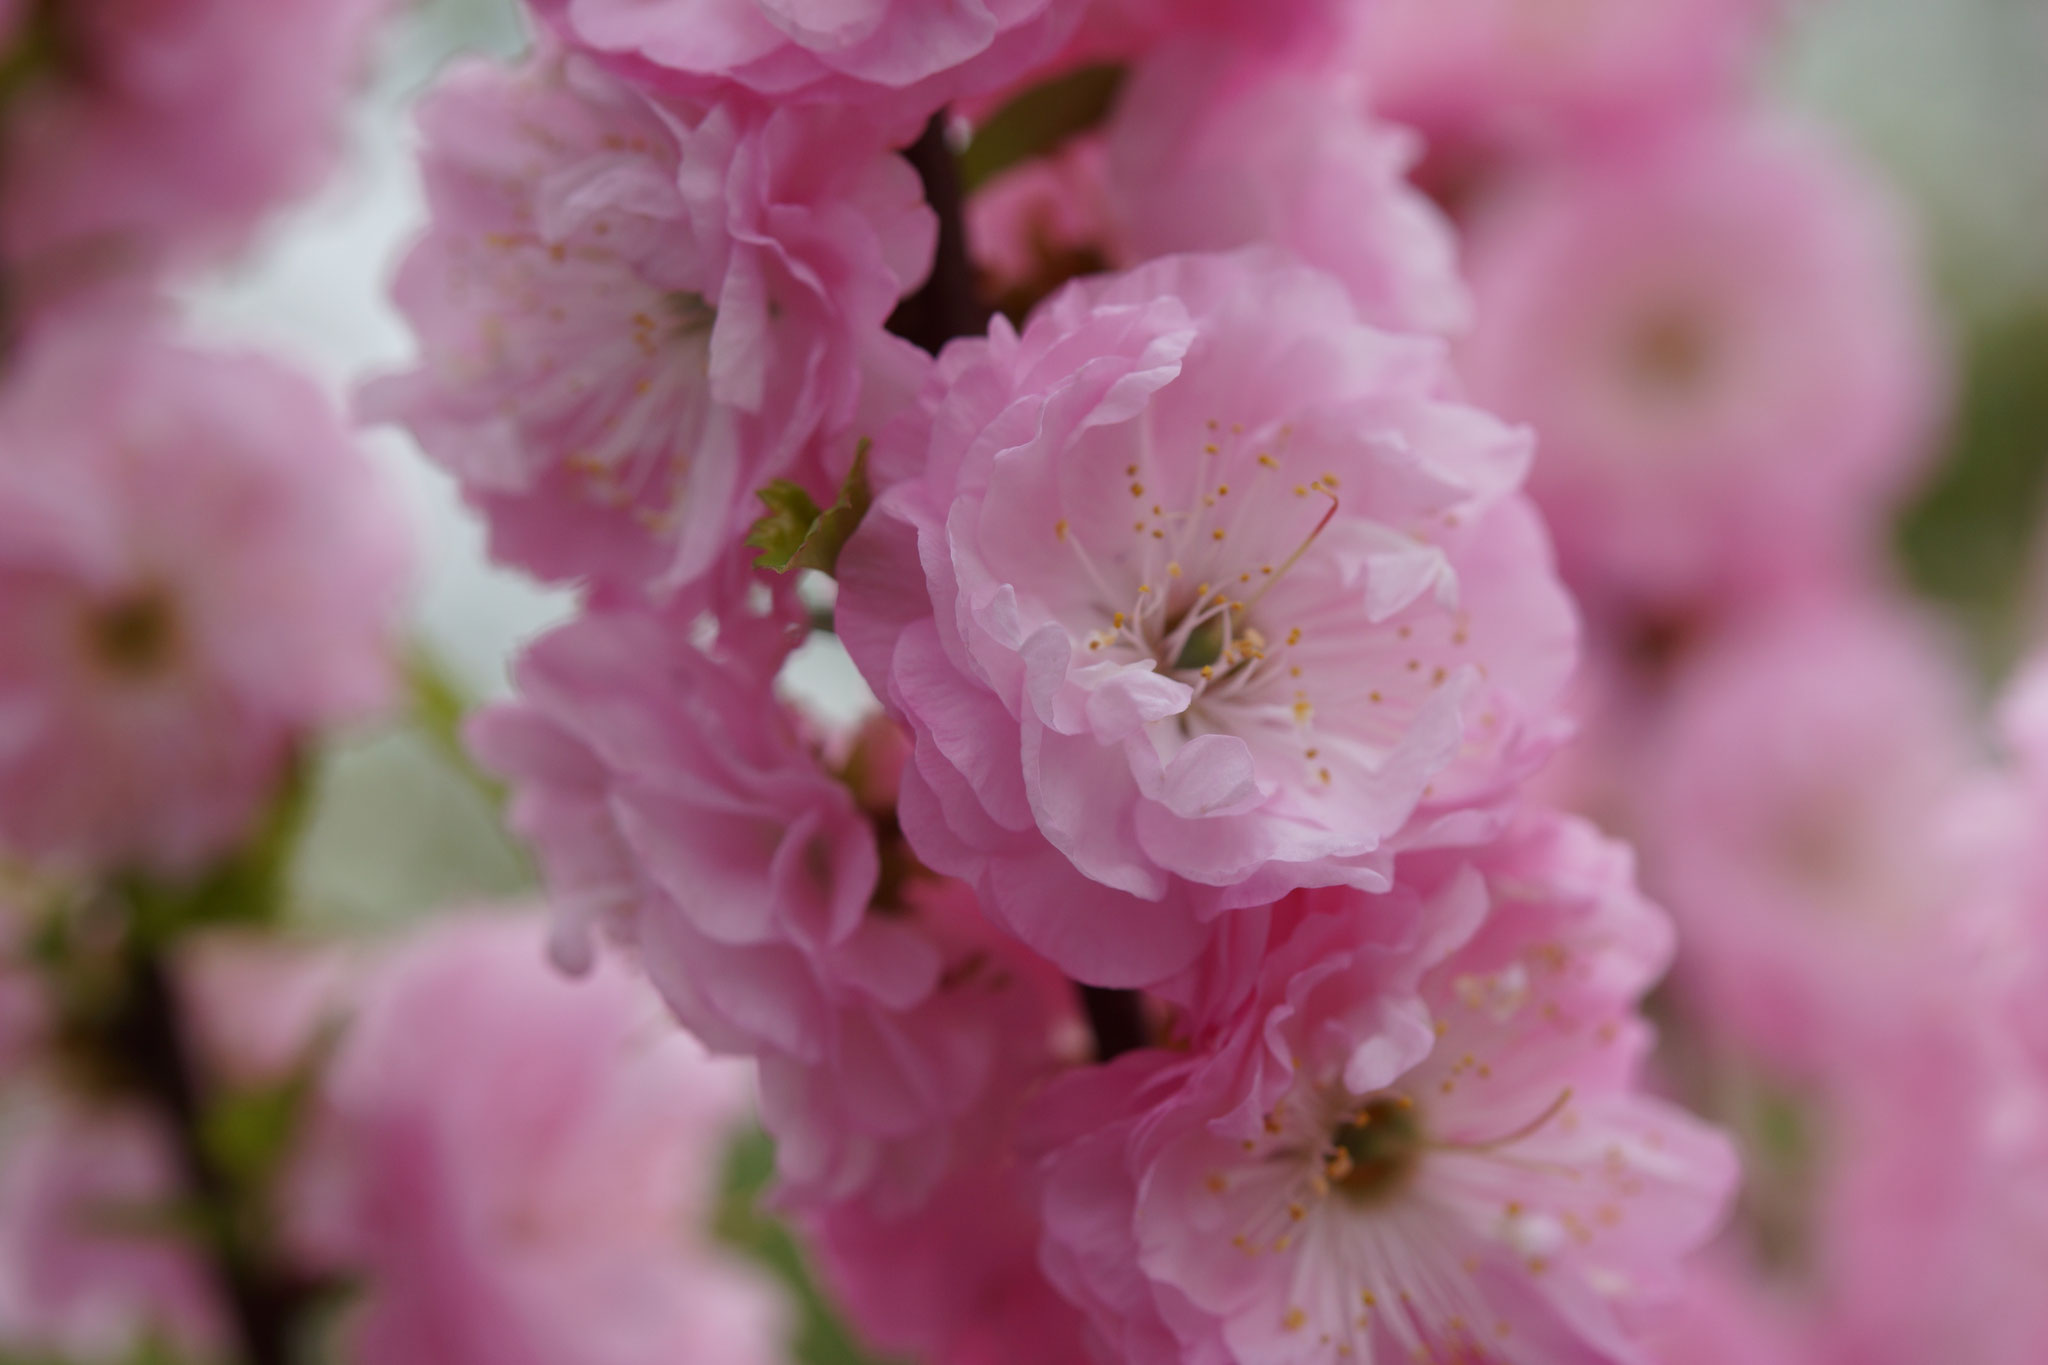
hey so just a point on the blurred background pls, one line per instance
(1949, 96)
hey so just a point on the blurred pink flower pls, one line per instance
(1934, 1219)
(197, 571)
(520, 1168)
(1796, 814)
(148, 130)
(634, 314)
(1726, 1316)
(92, 1264)
(1194, 592)
(1407, 1146)
(1209, 150)
(261, 1006)
(1040, 223)
(1721, 339)
(672, 805)
(958, 1282)
(1121, 30)
(898, 60)
(1509, 69)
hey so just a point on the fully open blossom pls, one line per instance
(89, 1268)
(1796, 815)
(197, 569)
(1514, 70)
(675, 805)
(1720, 338)
(1406, 1147)
(633, 314)
(1196, 590)
(1209, 150)
(519, 1168)
(146, 130)
(895, 59)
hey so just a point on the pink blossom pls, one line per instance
(1406, 1147)
(1934, 1216)
(1796, 811)
(1722, 342)
(1209, 150)
(1195, 591)
(1508, 69)
(520, 1168)
(897, 60)
(1727, 1315)
(958, 1282)
(1041, 223)
(149, 130)
(261, 1007)
(89, 1266)
(674, 808)
(197, 570)
(1120, 30)
(633, 314)
(2018, 812)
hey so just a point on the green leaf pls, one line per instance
(251, 1133)
(780, 535)
(796, 535)
(1968, 539)
(439, 706)
(1038, 121)
(246, 888)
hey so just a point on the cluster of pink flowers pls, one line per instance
(1217, 942)
(210, 1140)
(1175, 969)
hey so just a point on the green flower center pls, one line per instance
(1376, 1152)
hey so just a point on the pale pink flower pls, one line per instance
(1721, 339)
(261, 1007)
(519, 1168)
(673, 805)
(634, 314)
(153, 130)
(197, 571)
(956, 1283)
(1122, 30)
(1194, 592)
(91, 1266)
(1209, 150)
(1393, 1154)
(1515, 70)
(1934, 1214)
(898, 60)
(1725, 1316)
(1796, 812)
(2018, 812)
(1041, 223)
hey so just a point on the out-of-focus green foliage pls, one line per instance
(821, 1338)
(1038, 121)
(1969, 541)
(245, 889)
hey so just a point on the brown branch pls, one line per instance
(153, 1043)
(1117, 1019)
(947, 305)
